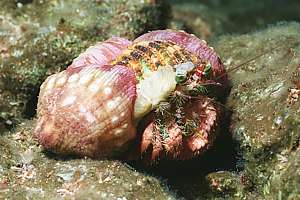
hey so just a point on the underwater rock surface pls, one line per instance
(26, 172)
(40, 38)
(265, 107)
(198, 18)
(208, 19)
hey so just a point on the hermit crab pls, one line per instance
(155, 96)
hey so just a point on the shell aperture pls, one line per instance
(155, 88)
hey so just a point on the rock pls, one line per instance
(285, 180)
(40, 38)
(224, 182)
(27, 172)
(265, 105)
(197, 18)
(209, 19)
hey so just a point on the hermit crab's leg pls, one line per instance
(156, 142)
(193, 45)
(147, 138)
(101, 53)
(209, 119)
(151, 143)
(157, 148)
(173, 143)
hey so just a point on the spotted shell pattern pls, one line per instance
(80, 113)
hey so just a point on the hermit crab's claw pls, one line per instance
(193, 45)
(87, 113)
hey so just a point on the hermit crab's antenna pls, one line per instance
(254, 58)
(241, 65)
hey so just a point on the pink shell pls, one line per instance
(192, 44)
(88, 113)
(102, 53)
